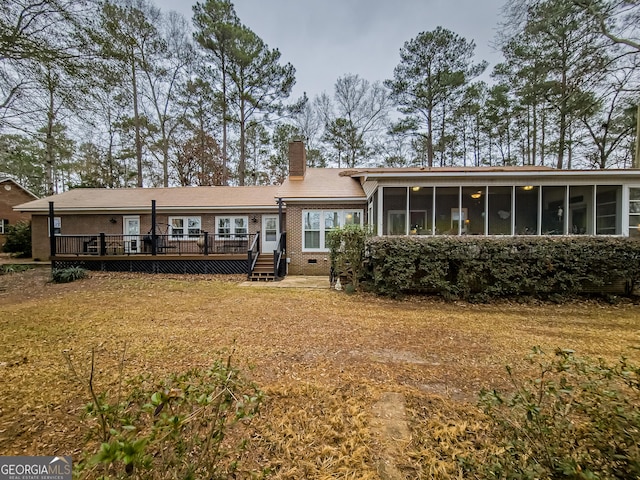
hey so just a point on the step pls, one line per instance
(263, 268)
(264, 277)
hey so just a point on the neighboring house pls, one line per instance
(223, 222)
(12, 194)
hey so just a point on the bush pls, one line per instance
(481, 269)
(347, 250)
(577, 419)
(182, 427)
(18, 240)
(67, 275)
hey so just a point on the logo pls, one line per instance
(35, 468)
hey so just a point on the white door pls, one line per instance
(270, 233)
(131, 232)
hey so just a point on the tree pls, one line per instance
(129, 36)
(21, 159)
(164, 74)
(611, 122)
(433, 68)
(33, 31)
(309, 124)
(198, 161)
(278, 166)
(557, 43)
(260, 84)
(617, 20)
(357, 113)
(217, 27)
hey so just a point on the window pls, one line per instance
(316, 225)
(608, 210)
(311, 227)
(57, 226)
(184, 228)
(3, 225)
(634, 212)
(232, 227)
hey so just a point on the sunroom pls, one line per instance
(503, 202)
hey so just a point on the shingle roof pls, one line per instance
(322, 184)
(193, 198)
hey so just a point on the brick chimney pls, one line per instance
(297, 160)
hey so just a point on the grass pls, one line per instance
(323, 359)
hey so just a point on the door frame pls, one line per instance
(266, 243)
(131, 242)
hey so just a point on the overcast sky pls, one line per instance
(325, 39)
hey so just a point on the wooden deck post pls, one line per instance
(154, 243)
(52, 230)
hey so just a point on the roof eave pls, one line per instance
(326, 199)
(506, 173)
(147, 208)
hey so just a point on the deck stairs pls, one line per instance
(263, 271)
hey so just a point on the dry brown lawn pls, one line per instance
(326, 361)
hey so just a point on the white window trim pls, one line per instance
(626, 216)
(232, 226)
(341, 219)
(3, 222)
(57, 223)
(185, 235)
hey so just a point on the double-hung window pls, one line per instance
(185, 228)
(316, 225)
(232, 227)
(3, 226)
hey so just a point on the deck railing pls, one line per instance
(115, 245)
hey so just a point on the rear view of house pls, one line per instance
(279, 229)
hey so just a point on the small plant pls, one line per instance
(14, 268)
(67, 275)
(577, 419)
(182, 427)
(18, 240)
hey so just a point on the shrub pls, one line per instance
(182, 427)
(578, 418)
(347, 250)
(18, 240)
(67, 275)
(480, 269)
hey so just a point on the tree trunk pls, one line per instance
(136, 120)
(225, 171)
(242, 160)
(430, 138)
(49, 160)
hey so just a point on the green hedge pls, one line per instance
(480, 269)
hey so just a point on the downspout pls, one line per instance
(280, 216)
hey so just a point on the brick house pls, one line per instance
(12, 194)
(287, 224)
